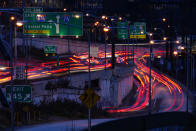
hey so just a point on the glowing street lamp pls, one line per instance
(182, 47)
(64, 9)
(164, 38)
(12, 18)
(175, 53)
(103, 17)
(164, 19)
(119, 18)
(19, 24)
(87, 14)
(96, 23)
(151, 42)
(106, 29)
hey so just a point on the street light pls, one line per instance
(19, 23)
(177, 42)
(12, 18)
(96, 23)
(151, 55)
(175, 53)
(164, 38)
(64, 9)
(151, 42)
(103, 17)
(105, 29)
(120, 18)
(164, 19)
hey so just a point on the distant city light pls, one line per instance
(177, 42)
(87, 14)
(119, 18)
(64, 9)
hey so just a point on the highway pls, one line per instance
(163, 88)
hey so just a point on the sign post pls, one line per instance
(89, 98)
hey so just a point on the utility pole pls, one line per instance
(12, 81)
(89, 81)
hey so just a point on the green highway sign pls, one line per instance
(53, 23)
(21, 93)
(33, 9)
(138, 30)
(50, 49)
(122, 30)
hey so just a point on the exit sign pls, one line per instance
(50, 49)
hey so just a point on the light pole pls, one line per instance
(175, 53)
(105, 29)
(18, 24)
(151, 55)
(12, 18)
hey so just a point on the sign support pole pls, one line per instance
(12, 82)
(89, 81)
(89, 119)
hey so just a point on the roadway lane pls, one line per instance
(173, 98)
(76, 125)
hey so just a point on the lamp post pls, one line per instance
(105, 29)
(175, 53)
(151, 43)
(12, 18)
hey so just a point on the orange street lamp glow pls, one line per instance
(87, 14)
(151, 42)
(64, 9)
(106, 29)
(177, 42)
(103, 17)
(175, 53)
(163, 19)
(182, 47)
(120, 18)
(150, 34)
(96, 23)
(164, 38)
(12, 18)
(19, 24)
